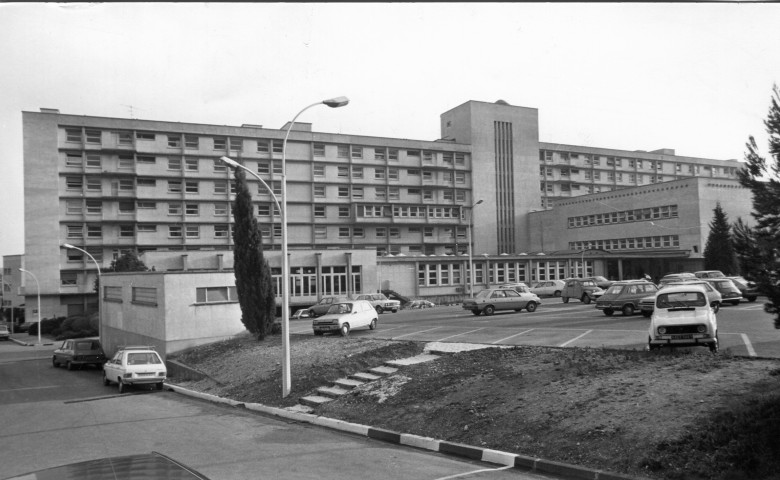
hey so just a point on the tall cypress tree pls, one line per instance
(253, 275)
(762, 178)
(719, 251)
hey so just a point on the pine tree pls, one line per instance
(761, 177)
(253, 275)
(719, 251)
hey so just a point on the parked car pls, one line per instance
(748, 288)
(490, 300)
(5, 334)
(676, 277)
(343, 317)
(519, 287)
(583, 289)
(300, 313)
(728, 291)
(321, 308)
(601, 281)
(624, 296)
(550, 288)
(419, 304)
(79, 352)
(647, 304)
(380, 302)
(683, 317)
(135, 365)
(709, 274)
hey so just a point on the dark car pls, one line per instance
(625, 296)
(321, 308)
(79, 352)
(728, 291)
(748, 289)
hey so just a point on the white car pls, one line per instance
(683, 317)
(550, 288)
(135, 366)
(380, 302)
(345, 316)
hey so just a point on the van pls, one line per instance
(583, 289)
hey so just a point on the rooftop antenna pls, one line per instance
(132, 109)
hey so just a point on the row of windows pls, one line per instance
(193, 142)
(611, 176)
(448, 274)
(625, 216)
(637, 243)
(546, 156)
(221, 188)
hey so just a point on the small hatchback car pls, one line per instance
(683, 317)
(490, 300)
(583, 289)
(625, 297)
(380, 302)
(79, 352)
(345, 316)
(727, 289)
(139, 365)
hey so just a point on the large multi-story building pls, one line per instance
(109, 184)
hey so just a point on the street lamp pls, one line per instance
(286, 376)
(471, 262)
(10, 288)
(73, 247)
(582, 261)
(38, 285)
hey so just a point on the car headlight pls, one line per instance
(701, 329)
(661, 330)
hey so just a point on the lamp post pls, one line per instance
(471, 262)
(582, 261)
(38, 285)
(286, 376)
(100, 318)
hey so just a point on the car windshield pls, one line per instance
(589, 283)
(144, 358)
(614, 290)
(680, 300)
(88, 345)
(340, 308)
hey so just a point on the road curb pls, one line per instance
(486, 455)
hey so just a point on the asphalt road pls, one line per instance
(744, 329)
(51, 417)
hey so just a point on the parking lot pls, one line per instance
(744, 329)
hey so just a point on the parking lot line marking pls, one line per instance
(749, 345)
(415, 333)
(512, 336)
(29, 388)
(465, 474)
(459, 334)
(574, 339)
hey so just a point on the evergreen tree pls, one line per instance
(761, 177)
(128, 262)
(747, 251)
(253, 275)
(719, 251)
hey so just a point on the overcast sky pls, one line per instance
(693, 77)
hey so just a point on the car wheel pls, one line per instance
(585, 299)
(735, 302)
(652, 347)
(647, 314)
(312, 314)
(317, 333)
(565, 299)
(54, 362)
(68, 365)
(608, 312)
(106, 381)
(344, 330)
(715, 307)
(490, 310)
(395, 310)
(372, 325)
(159, 385)
(476, 312)
(121, 385)
(751, 299)
(531, 307)
(557, 293)
(714, 345)
(379, 309)
(628, 310)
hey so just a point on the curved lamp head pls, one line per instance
(478, 202)
(229, 161)
(68, 245)
(336, 102)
